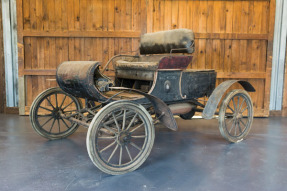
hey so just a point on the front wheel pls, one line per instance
(235, 115)
(120, 137)
(46, 110)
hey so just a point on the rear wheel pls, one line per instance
(235, 115)
(46, 110)
(120, 137)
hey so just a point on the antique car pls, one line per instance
(120, 111)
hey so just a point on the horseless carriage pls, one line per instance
(120, 111)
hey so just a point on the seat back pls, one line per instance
(163, 42)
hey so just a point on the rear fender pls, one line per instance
(161, 109)
(217, 94)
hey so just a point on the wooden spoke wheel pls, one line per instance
(235, 115)
(46, 110)
(120, 137)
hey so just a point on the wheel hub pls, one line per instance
(57, 113)
(124, 138)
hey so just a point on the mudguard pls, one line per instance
(161, 109)
(217, 94)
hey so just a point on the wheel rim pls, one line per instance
(48, 113)
(121, 138)
(238, 115)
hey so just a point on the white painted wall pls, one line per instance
(279, 50)
(10, 51)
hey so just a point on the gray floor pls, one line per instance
(194, 158)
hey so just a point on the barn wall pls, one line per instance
(232, 36)
(2, 68)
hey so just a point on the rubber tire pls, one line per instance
(221, 116)
(95, 125)
(37, 101)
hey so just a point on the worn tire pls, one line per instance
(94, 134)
(237, 117)
(34, 117)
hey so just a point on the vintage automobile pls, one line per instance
(120, 111)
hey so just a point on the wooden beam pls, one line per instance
(136, 34)
(2, 68)
(39, 72)
(244, 75)
(83, 34)
(231, 36)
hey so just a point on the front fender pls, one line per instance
(161, 109)
(217, 94)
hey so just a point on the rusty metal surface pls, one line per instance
(217, 94)
(78, 79)
(164, 41)
(161, 109)
(175, 62)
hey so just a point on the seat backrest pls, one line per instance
(177, 41)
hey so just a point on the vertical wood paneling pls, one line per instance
(202, 16)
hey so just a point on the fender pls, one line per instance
(161, 109)
(217, 94)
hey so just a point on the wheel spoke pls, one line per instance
(241, 105)
(236, 124)
(244, 109)
(107, 146)
(46, 108)
(116, 122)
(129, 153)
(63, 101)
(242, 122)
(238, 100)
(108, 128)
(65, 123)
(124, 120)
(233, 104)
(239, 128)
(139, 136)
(133, 119)
(134, 145)
(67, 105)
(52, 126)
(121, 153)
(56, 97)
(47, 121)
(59, 125)
(48, 115)
(50, 102)
(137, 127)
(111, 156)
(231, 127)
(106, 137)
(230, 108)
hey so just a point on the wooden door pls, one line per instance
(232, 36)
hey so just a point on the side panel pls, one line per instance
(167, 85)
(195, 84)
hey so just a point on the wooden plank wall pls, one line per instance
(2, 67)
(232, 36)
(54, 31)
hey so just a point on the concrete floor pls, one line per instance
(194, 158)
